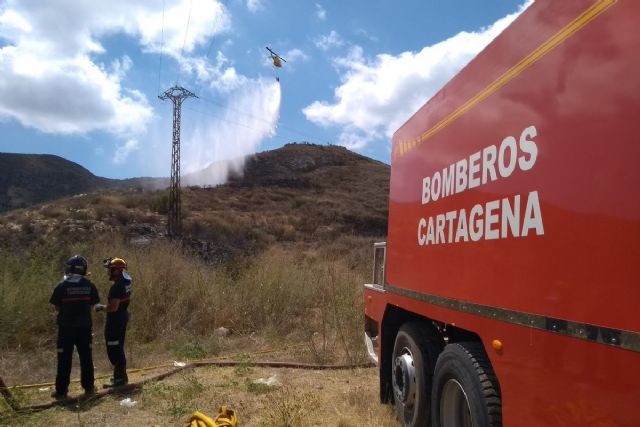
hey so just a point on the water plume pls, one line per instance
(220, 146)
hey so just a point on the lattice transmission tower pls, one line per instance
(177, 95)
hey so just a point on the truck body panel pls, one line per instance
(534, 241)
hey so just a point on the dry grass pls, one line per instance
(303, 398)
(284, 295)
(305, 302)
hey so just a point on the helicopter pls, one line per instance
(277, 60)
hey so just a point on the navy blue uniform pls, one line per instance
(116, 327)
(74, 298)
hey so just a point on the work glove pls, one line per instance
(100, 307)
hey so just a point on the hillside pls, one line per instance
(28, 179)
(297, 194)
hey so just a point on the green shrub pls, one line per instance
(160, 203)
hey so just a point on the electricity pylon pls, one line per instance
(176, 94)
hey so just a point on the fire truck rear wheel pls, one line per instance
(466, 392)
(414, 355)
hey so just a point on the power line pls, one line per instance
(280, 125)
(186, 32)
(206, 58)
(161, 47)
(278, 137)
(282, 139)
(206, 113)
(228, 107)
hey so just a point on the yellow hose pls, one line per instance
(204, 419)
(226, 418)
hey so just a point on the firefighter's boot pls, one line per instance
(119, 378)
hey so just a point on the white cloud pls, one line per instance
(51, 79)
(295, 55)
(13, 22)
(72, 95)
(123, 151)
(376, 96)
(326, 42)
(120, 66)
(221, 143)
(321, 13)
(255, 5)
(220, 76)
(206, 19)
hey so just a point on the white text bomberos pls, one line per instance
(496, 219)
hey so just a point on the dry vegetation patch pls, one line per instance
(300, 398)
(306, 304)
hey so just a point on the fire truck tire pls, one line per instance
(465, 388)
(414, 356)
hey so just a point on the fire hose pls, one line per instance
(226, 418)
(6, 393)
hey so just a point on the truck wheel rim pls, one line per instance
(454, 406)
(404, 379)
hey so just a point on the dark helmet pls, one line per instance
(76, 265)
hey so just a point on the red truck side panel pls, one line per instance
(552, 221)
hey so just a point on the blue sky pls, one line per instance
(81, 79)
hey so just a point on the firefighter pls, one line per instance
(74, 297)
(117, 319)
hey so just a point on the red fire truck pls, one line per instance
(508, 291)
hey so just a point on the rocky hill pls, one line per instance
(297, 166)
(298, 194)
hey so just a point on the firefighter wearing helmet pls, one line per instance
(73, 297)
(117, 319)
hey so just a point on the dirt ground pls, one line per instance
(291, 397)
(297, 397)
